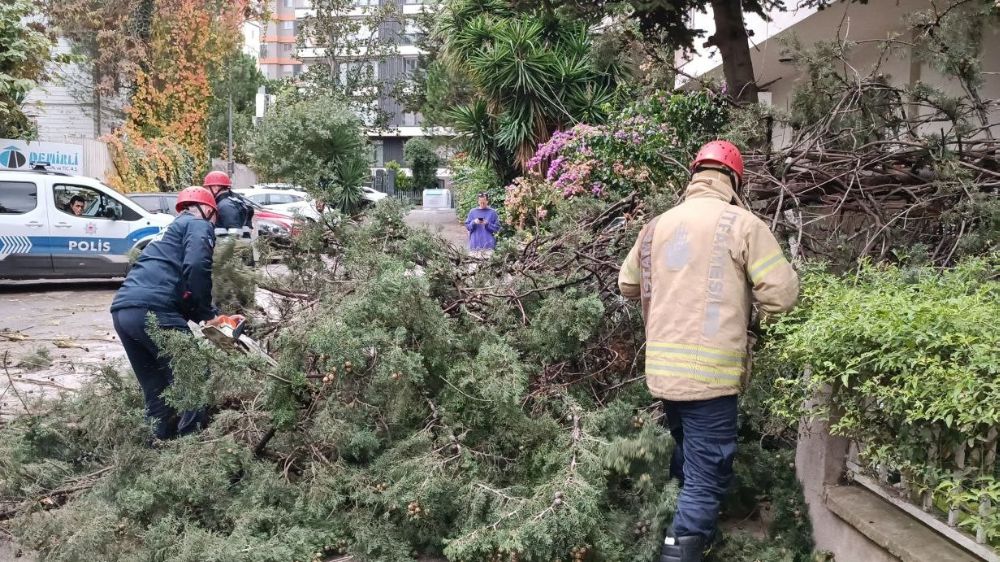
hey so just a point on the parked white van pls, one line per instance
(54, 225)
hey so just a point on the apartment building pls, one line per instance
(277, 46)
(281, 59)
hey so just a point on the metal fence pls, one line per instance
(385, 181)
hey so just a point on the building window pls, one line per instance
(288, 68)
(297, 70)
(361, 3)
(263, 51)
(289, 3)
(411, 33)
(288, 25)
(409, 67)
(286, 47)
(356, 72)
(376, 157)
(411, 119)
(361, 34)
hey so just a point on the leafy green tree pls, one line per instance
(423, 162)
(351, 47)
(316, 143)
(24, 51)
(238, 77)
(669, 23)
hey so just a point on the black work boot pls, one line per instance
(682, 549)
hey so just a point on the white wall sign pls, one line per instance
(20, 155)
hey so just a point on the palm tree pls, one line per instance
(531, 79)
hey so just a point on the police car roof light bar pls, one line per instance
(42, 167)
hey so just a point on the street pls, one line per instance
(444, 222)
(69, 321)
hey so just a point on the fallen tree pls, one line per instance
(422, 405)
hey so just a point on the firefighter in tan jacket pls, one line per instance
(697, 270)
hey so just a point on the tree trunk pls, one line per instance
(734, 44)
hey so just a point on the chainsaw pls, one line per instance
(227, 334)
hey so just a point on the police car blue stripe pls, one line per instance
(73, 245)
(144, 232)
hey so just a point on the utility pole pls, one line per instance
(231, 167)
(229, 144)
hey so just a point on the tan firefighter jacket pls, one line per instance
(697, 268)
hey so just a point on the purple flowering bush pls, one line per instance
(644, 149)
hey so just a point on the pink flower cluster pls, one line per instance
(574, 179)
(631, 172)
(550, 148)
(568, 166)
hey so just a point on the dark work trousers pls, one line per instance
(153, 369)
(705, 436)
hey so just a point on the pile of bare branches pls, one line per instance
(883, 168)
(871, 200)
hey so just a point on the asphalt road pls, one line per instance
(69, 321)
(444, 223)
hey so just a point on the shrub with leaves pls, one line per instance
(316, 143)
(912, 357)
(423, 162)
(469, 179)
(24, 52)
(149, 165)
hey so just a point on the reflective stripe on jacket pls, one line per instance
(706, 260)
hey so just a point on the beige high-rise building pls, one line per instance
(277, 46)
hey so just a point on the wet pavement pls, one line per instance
(68, 322)
(443, 222)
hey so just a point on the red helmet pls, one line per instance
(195, 194)
(217, 178)
(720, 152)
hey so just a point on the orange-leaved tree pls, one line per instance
(188, 40)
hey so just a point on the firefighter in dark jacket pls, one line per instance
(234, 213)
(172, 280)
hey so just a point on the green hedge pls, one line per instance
(912, 357)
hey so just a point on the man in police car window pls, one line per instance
(172, 280)
(76, 204)
(697, 270)
(233, 212)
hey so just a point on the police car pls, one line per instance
(54, 225)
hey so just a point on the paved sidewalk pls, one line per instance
(444, 222)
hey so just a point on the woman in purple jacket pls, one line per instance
(483, 223)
